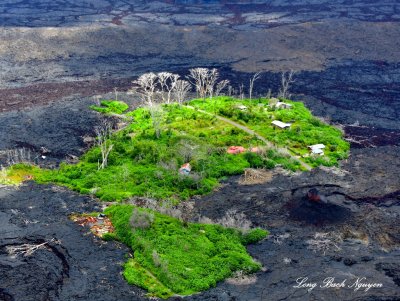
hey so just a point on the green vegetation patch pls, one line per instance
(147, 154)
(142, 164)
(305, 129)
(173, 257)
(111, 106)
(16, 174)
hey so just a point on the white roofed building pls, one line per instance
(280, 124)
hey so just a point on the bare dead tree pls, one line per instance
(29, 249)
(323, 242)
(116, 93)
(205, 81)
(96, 100)
(19, 155)
(241, 91)
(286, 81)
(163, 78)
(220, 86)
(146, 87)
(231, 219)
(180, 90)
(230, 90)
(170, 87)
(103, 133)
(252, 80)
(198, 77)
(211, 79)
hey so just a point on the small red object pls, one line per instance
(236, 150)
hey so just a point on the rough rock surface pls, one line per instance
(58, 127)
(363, 211)
(77, 267)
(59, 53)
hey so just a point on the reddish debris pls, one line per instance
(313, 195)
(98, 225)
(236, 150)
(185, 169)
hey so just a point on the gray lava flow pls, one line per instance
(56, 55)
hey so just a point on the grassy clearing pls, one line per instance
(111, 106)
(305, 129)
(141, 164)
(173, 257)
(16, 174)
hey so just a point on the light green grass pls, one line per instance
(141, 164)
(111, 106)
(305, 130)
(172, 257)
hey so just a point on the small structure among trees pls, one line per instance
(280, 124)
(317, 149)
(283, 105)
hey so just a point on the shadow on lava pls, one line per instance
(317, 210)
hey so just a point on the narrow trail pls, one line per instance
(251, 132)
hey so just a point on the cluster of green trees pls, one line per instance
(175, 257)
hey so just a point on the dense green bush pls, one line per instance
(111, 106)
(254, 236)
(171, 257)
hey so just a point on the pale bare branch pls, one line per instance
(286, 82)
(255, 77)
(220, 86)
(180, 90)
(103, 133)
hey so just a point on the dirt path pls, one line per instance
(251, 132)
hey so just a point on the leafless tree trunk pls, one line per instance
(103, 133)
(163, 80)
(19, 155)
(29, 249)
(230, 90)
(96, 100)
(205, 81)
(268, 94)
(211, 79)
(170, 88)
(286, 81)
(252, 80)
(241, 91)
(220, 86)
(116, 93)
(198, 75)
(146, 87)
(181, 89)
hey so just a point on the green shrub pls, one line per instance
(254, 160)
(172, 257)
(254, 236)
(111, 106)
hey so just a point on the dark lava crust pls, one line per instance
(77, 266)
(59, 53)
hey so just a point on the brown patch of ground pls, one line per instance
(44, 93)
